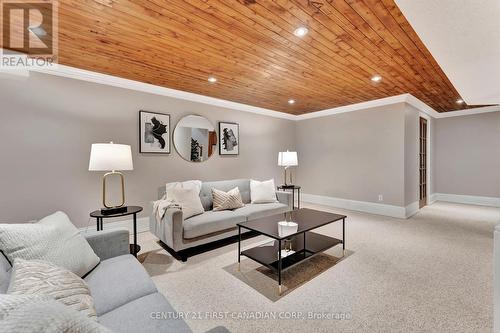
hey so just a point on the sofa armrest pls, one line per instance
(109, 243)
(285, 198)
(169, 229)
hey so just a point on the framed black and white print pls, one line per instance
(154, 132)
(229, 138)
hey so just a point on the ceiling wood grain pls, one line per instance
(249, 46)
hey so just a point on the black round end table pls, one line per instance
(131, 210)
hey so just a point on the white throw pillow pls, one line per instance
(194, 184)
(54, 239)
(188, 199)
(37, 313)
(41, 277)
(262, 192)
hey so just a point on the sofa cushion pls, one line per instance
(41, 313)
(255, 211)
(5, 271)
(206, 190)
(210, 222)
(117, 281)
(146, 314)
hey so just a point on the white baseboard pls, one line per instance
(412, 209)
(362, 206)
(142, 225)
(468, 199)
(432, 198)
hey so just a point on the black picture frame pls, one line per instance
(235, 127)
(167, 136)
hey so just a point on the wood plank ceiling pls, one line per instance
(249, 46)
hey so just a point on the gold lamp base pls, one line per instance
(110, 210)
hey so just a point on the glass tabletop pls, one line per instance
(307, 219)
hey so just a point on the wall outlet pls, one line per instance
(380, 197)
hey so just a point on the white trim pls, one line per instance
(362, 206)
(142, 225)
(421, 106)
(114, 81)
(432, 199)
(468, 199)
(468, 112)
(355, 107)
(412, 209)
(89, 76)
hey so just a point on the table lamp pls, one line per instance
(287, 159)
(113, 158)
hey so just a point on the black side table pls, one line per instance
(293, 188)
(131, 210)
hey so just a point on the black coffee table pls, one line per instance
(304, 242)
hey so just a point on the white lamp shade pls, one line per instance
(110, 157)
(288, 158)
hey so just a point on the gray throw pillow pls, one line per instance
(43, 278)
(54, 239)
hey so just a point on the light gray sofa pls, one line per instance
(179, 234)
(126, 299)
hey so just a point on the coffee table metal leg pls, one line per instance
(239, 246)
(279, 266)
(135, 235)
(343, 236)
(298, 198)
(304, 244)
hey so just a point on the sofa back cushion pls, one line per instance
(224, 185)
(5, 271)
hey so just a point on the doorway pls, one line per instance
(423, 163)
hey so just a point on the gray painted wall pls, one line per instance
(467, 158)
(48, 123)
(355, 155)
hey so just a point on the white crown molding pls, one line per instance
(355, 107)
(468, 112)
(84, 75)
(89, 76)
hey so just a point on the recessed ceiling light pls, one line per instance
(376, 78)
(301, 31)
(212, 79)
(460, 101)
(291, 101)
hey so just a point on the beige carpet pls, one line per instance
(430, 273)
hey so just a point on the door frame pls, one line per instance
(428, 159)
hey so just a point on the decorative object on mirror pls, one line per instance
(288, 159)
(195, 138)
(286, 228)
(114, 158)
(229, 138)
(154, 132)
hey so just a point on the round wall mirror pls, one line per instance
(195, 138)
